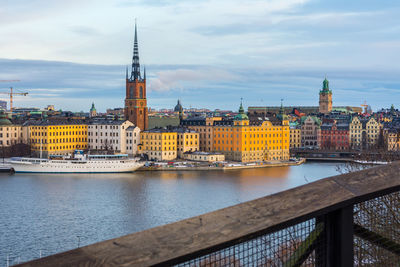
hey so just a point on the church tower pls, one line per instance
(136, 109)
(325, 98)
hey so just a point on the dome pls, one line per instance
(325, 86)
(178, 107)
(92, 108)
(3, 119)
(241, 116)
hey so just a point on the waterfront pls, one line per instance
(53, 213)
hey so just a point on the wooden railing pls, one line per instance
(325, 223)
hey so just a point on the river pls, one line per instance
(43, 214)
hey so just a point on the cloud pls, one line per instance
(179, 79)
(84, 30)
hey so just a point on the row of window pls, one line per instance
(69, 147)
(58, 127)
(165, 137)
(256, 129)
(61, 140)
(112, 127)
(58, 133)
(9, 128)
(105, 134)
(220, 148)
(250, 142)
(108, 141)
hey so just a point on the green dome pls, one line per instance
(4, 120)
(241, 116)
(92, 108)
(325, 86)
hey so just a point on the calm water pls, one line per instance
(52, 213)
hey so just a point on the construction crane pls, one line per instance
(11, 94)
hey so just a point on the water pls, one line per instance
(49, 213)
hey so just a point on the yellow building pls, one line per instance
(56, 137)
(295, 137)
(239, 140)
(392, 139)
(159, 144)
(364, 133)
(188, 141)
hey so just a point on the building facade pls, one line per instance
(187, 141)
(295, 136)
(159, 144)
(10, 134)
(204, 156)
(136, 109)
(132, 140)
(335, 136)
(310, 132)
(325, 98)
(243, 141)
(392, 139)
(364, 133)
(108, 135)
(205, 127)
(54, 137)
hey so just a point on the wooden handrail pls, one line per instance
(193, 237)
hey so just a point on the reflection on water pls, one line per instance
(52, 212)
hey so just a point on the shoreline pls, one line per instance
(223, 168)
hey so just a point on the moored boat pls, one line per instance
(79, 164)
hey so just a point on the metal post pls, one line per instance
(339, 237)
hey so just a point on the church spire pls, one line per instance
(135, 75)
(241, 109)
(144, 73)
(126, 72)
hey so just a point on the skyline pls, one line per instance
(264, 51)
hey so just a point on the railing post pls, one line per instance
(339, 237)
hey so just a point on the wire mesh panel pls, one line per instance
(377, 231)
(292, 246)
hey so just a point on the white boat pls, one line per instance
(78, 164)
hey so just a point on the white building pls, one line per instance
(108, 135)
(132, 140)
(204, 156)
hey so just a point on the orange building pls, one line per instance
(242, 140)
(136, 109)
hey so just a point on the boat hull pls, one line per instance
(112, 166)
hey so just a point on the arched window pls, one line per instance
(131, 92)
(141, 92)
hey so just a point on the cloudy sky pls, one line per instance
(208, 53)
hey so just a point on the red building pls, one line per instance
(136, 109)
(335, 136)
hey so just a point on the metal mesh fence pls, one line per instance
(377, 231)
(292, 246)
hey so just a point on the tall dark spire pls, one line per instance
(126, 72)
(144, 73)
(135, 75)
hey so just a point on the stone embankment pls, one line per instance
(195, 166)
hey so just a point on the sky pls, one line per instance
(208, 53)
